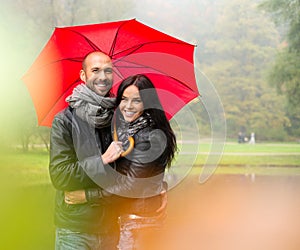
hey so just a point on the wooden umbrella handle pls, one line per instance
(130, 148)
(130, 139)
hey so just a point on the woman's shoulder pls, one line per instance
(149, 134)
(143, 133)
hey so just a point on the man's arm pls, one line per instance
(75, 157)
(64, 167)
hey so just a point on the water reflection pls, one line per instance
(232, 212)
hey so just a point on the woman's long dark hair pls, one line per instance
(153, 107)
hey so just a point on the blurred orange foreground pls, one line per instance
(231, 212)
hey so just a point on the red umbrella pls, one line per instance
(133, 47)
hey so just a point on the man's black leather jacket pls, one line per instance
(75, 149)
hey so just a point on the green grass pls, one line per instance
(254, 160)
(205, 147)
(26, 216)
(32, 168)
(234, 154)
(25, 168)
(27, 198)
(263, 148)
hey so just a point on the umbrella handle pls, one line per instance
(130, 139)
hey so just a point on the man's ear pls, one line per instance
(82, 75)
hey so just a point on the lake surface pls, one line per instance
(232, 212)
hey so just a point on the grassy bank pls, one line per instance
(233, 154)
(32, 168)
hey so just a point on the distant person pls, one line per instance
(252, 138)
(240, 137)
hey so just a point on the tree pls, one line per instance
(244, 43)
(235, 44)
(285, 72)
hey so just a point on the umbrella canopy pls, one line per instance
(133, 47)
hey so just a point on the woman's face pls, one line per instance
(131, 105)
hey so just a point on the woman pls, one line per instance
(140, 116)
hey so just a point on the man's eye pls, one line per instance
(108, 71)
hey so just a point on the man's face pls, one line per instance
(98, 73)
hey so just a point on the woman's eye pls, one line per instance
(137, 100)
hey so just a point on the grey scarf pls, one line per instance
(95, 109)
(126, 129)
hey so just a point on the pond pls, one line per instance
(227, 212)
(232, 212)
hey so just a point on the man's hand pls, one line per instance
(75, 197)
(113, 152)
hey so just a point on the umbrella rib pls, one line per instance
(138, 65)
(53, 106)
(119, 74)
(94, 46)
(158, 71)
(74, 59)
(137, 47)
(111, 51)
(183, 84)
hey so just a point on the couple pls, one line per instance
(89, 203)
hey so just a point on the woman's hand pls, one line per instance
(75, 197)
(113, 152)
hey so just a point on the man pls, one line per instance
(80, 143)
